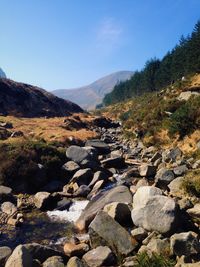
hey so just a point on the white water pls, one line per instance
(70, 215)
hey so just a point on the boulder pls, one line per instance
(184, 244)
(164, 177)
(8, 208)
(5, 253)
(146, 170)
(99, 175)
(101, 147)
(20, 257)
(159, 246)
(55, 261)
(43, 200)
(82, 177)
(144, 193)
(154, 212)
(117, 162)
(175, 187)
(75, 262)
(41, 252)
(104, 230)
(120, 212)
(118, 194)
(78, 154)
(100, 256)
(172, 155)
(82, 191)
(78, 250)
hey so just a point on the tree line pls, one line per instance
(182, 60)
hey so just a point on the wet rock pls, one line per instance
(70, 168)
(101, 147)
(184, 244)
(40, 252)
(139, 234)
(120, 212)
(117, 162)
(8, 208)
(154, 212)
(78, 250)
(82, 177)
(82, 191)
(75, 262)
(55, 261)
(118, 194)
(5, 253)
(180, 170)
(78, 154)
(100, 256)
(164, 177)
(104, 230)
(146, 170)
(20, 257)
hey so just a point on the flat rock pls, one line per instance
(118, 194)
(101, 147)
(100, 256)
(78, 154)
(104, 230)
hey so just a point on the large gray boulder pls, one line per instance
(118, 194)
(20, 257)
(154, 212)
(144, 193)
(105, 231)
(78, 154)
(100, 256)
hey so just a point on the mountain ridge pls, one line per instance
(89, 96)
(24, 100)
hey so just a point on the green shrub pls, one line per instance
(144, 260)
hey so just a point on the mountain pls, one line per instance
(2, 74)
(24, 100)
(91, 95)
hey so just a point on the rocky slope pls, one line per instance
(2, 74)
(91, 95)
(23, 100)
(139, 211)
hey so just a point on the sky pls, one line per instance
(58, 44)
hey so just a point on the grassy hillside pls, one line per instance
(163, 117)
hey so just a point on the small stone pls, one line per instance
(139, 234)
(8, 208)
(147, 170)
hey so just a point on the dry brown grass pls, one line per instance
(49, 129)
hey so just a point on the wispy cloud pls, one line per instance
(109, 33)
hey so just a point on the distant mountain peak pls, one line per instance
(2, 74)
(91, 95)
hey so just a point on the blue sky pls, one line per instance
(69, 43)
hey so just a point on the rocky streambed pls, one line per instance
(120, 199)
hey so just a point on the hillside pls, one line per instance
(91, 95)
(23, 100)
(182, 60)
(174, 116)
(2, 74)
